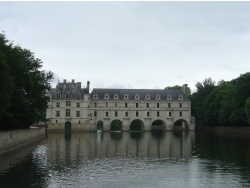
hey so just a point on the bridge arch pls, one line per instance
(99, 125)
(116, 125)
(181, 124)
(158, 124)
(67, 126)
(136, 125)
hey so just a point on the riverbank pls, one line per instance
(228, 131)
(10, 140)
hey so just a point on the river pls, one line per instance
(129, 159)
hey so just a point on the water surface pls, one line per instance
(166, 159)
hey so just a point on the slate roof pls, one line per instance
(141, 92)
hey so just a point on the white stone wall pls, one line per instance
(100, 107)
(78, 123)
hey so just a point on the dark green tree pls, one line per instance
(24, 87)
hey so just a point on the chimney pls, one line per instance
(88, 82)
(185, 89)
(64, 81)
(73, 80)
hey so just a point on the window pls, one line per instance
(147, 96)
(158, 113)
(169, 114)
(68, 103)
(107, 114)
(116, 113)
(116, 105)
(147, 105)
(57, 113)
(180, 97)
(169, 97)
(158, 96)
(180, 105)
(58, 104)
(95, 113)
(79, 122)
(106, 104)
(169, 105)
(77, 113)
(106, 96)
(95, 96)
(67, 96)
(126, 96)
(137, 96)
(158, 105)
(137, 114)
(58, 96)
(137, 104)
(78, 96)
(67, 112)
(147, 114)
(126, 105)
(95, 104)
(56, 121)
(126, 114)
(78, 105)
(116, 96)
(180, 114)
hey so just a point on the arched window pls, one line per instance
(147, 96)
(137, 96)
(158, 96)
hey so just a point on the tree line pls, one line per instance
(225, 103)
(23, 86)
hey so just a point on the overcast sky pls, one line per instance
(133, 44)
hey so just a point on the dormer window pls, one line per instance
(169, 97)
(106, 96)
(137, 96)
(180, 97)
(126, 96)
(95, 96)
(158, 96)
(116, 96)
(147, 96)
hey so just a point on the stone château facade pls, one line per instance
(75, 108)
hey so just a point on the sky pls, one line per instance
(134, 45)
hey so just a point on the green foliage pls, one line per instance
(23, 87)
(247, 110)
(222, 104)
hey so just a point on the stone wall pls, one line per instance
(13, 139)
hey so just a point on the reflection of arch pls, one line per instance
(181, 124)
(136, 125)
(158, 125)
(116, 125)
(99, 125)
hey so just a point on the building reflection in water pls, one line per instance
(90, 146)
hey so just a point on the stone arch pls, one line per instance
(99, 125)
(136, 125)
(181, 124)
(67, 126)
(116, 125)
(158, 124)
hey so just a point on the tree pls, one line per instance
(25, 101)
(247, 110)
